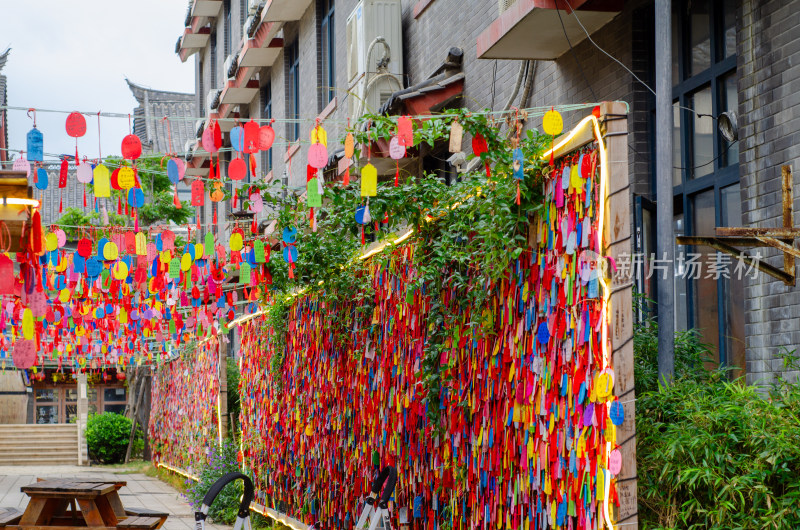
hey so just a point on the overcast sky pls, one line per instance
(75, 55)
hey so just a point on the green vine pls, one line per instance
(466, 235)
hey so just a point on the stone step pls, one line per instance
(36, 450)
(22, 437)
(38, 460)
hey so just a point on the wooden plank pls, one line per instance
(140, 522)
(116, 504)
(722, 246)
(736, 231)
(786, 184)
(33, 512)
(91, 514)
(107, 510)
(10, 516)
(620, 310)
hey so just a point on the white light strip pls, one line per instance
(13, 201)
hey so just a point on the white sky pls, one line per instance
(75, 55)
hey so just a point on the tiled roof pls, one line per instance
(149, 125)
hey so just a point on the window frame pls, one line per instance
(720, 176)
(293, 89)
(327, 49)
(266, 113)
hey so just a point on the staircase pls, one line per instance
(39, 444)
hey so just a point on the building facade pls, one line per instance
(310, 59)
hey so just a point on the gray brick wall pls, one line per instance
(768, 46)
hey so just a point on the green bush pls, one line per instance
(714, 453)
(107, 437)
(221, 461)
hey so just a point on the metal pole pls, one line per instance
(665, 242)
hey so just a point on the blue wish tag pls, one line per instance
(519, 164)
(237, 138)
(41, 179)
(173, 172)
(35, 145)
(617, 413)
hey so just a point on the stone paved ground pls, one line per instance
(141, 491)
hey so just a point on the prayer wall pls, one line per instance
(184, 419)
(528, 410)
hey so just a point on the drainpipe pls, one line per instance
(665, 240)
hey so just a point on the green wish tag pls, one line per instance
(244, 273)
(313, 196)
(258, 250)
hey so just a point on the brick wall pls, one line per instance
(768, 43)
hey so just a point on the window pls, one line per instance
(293, 90)
(706, 179)
(228, 36)
(201, 88)
(114, 399)
(242, 13)
(266, 113)
(327, 42)
(213, 61)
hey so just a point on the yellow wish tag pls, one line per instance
(319, 136)
(369, 181)
(141, 244)
(605, 385)
(552, 123)
(27, 324)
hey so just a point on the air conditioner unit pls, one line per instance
(505, 4)
(212, 99)
(231, 65)
(372, 19)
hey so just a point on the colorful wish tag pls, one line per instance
(369, 181)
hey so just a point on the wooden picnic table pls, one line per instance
(75, 504)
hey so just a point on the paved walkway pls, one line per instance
(141, 491)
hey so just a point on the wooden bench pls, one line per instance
(135, 521)
(9, 516)
(145, 512)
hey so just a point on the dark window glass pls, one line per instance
(729, 27)
(201, 93)
(228, 36)
(733, 286)
(213, 61)
(117, 409)
(293, 89)
(703, 127)
(699, 36)
(730, 98)
(327, 39)
(705, 288)
(266, 113)
(114, 394)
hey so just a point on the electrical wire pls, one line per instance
(574, 55)
(530, 111)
